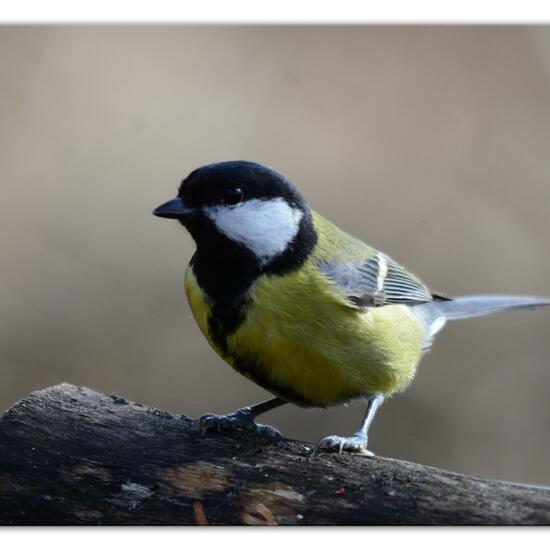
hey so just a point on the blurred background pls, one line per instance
(430, 143)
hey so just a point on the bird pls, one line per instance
(308, 312)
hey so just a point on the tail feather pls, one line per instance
(475, 306)
(435, 314)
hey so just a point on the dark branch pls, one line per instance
(73, 456)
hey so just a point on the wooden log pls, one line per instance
(72, 456)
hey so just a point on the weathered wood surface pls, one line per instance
(71, 456)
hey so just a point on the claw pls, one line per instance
(239, 420)
(268, 431)
(356, 443)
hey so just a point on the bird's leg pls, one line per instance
(243, 419)
(357, 443)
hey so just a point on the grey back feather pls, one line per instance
(378, 277)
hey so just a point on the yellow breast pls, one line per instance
(300, 340)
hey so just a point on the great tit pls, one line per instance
(301, 308)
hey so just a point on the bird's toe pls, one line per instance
(267, 431)
(353, 444)
(238, 420)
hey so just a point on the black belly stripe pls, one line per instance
(225, 321)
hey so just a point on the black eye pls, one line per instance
(232, 195)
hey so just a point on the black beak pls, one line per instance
(174, 209)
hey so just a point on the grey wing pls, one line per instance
(375, 282)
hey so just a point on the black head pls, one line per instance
(237, 181)
(228, 184)
(244, 217)
(244, 202)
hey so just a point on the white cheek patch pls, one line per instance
(264, 227)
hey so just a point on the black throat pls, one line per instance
(225, 270)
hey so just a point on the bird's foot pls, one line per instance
(241, 420)
(356, 443)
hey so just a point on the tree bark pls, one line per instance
(72, 456)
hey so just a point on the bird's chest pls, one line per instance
(295, 338)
